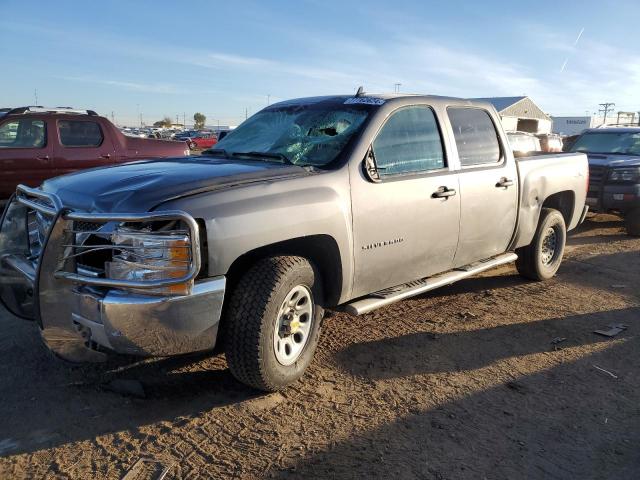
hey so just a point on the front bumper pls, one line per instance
(606, 196)
(80, 321)
(149, 325)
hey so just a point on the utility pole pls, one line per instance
(184, 120)
(396, 87)
(606, 107)
(246, 113)
(268, 99)
(140, 119)
(35, 94)
(112, 118)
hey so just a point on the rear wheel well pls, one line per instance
(563, 202)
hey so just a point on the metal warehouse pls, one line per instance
(520, 114)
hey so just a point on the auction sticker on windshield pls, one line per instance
(364, 100)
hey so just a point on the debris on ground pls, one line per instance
(131, 388)
(557, 341)
(465, 315)
(613, 330)
(147, 469)
(612, 375)
(618, 285)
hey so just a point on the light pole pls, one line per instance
(268, 99)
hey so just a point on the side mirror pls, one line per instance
(369, 167)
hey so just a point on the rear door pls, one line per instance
(406, 226)
(81, 144)
(488, 186)
(25, 153)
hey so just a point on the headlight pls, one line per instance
(625, 174)
(141, 255)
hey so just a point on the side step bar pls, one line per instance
(395, 294)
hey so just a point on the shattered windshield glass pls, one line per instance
(304, 135)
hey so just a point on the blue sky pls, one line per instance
(168, 58)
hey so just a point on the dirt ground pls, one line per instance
(461, 383)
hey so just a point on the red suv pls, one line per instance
(37, 143)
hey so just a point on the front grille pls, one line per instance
(596, 174)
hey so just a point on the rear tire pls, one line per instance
(273, 321)
(541, 259)
(632, 222)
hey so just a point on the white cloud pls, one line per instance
(132, 86)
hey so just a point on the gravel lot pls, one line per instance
(461, 383)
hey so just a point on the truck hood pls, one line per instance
(604, 160)
(141, 186)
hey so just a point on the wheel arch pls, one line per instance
(564, 202)
(322, 250)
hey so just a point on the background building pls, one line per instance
(520, 114)
(573, 125)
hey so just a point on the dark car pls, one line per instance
(614, 172)
(38, 143)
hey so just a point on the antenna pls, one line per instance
(360, 91)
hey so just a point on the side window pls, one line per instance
(23, 133)
(79, 133)
(476, 136)
(409, 142)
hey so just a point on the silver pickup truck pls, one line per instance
(343, 202)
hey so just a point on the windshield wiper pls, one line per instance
(276, 156)
(216, 151)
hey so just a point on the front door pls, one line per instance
(406, 226)
(488, 186)
(25, 153)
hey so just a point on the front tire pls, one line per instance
(273, 321)
(632, 222)
(541, 259)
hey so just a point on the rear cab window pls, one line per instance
(409, 142)
(80, 133)
(23, 133)
(475, 135)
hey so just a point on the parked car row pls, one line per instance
(195, 139)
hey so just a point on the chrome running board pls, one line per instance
(400, 292)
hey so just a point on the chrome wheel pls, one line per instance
(549, 243)
(293, 325)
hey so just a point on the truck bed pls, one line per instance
(539, 176)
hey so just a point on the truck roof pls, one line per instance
(377, 99)
(614, 129)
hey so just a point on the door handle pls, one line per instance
(504, 183)
(106, 156)
(443, 192)
(44, 157)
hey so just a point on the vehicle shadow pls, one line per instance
(550, 424)
(428, 352)
(70, 403)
